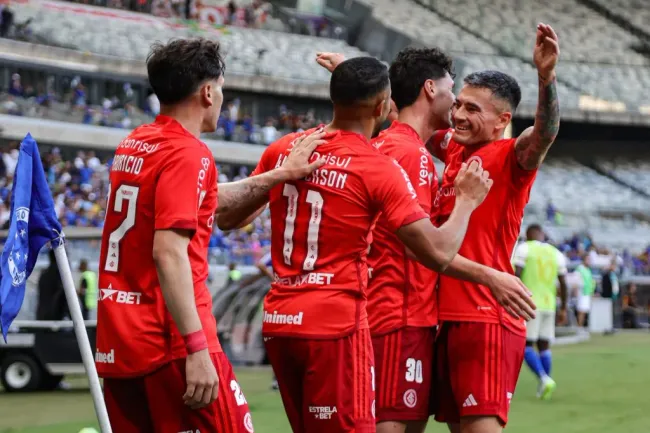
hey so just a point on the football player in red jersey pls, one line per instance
(480, 346)
(315, 318)
(157, 346)
(402, 311)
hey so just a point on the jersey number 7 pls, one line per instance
(124, 193)
(315, 199)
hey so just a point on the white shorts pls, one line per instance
(584, 304)
(542, 327)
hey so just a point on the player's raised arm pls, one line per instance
(533, 144)
(329, 61)
(437, 247)
(242, 201)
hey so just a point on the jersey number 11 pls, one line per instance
(316, 200)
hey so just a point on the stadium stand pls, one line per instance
(572, 186)
(599, 62)
(598, 58)
(421, 24)
(588, 36)
(249, 51)
(636, 12)
(632, 172)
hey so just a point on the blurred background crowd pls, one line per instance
(591, 204)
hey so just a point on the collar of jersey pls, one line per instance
(168, 121)
(340, 133)
(406, 129)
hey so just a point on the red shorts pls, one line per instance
(327, 386)
(404, 361)
(478, 367)
(154, 403)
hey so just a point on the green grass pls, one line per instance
(602, 388)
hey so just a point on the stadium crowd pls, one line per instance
(79, 184)
(120, 111)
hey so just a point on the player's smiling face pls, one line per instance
(477, 117)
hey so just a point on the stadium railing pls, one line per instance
(99, 137)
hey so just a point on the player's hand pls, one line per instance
(547, 52)
(329, 61)
(202, 380)
(297, 164)
(472, 183)
(513, 295)
(561, 317)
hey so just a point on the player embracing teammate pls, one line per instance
(157, 349)
(481, 343)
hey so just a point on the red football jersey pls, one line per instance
(493, 227)
(321, 232)
(162, 177)
(401, 291)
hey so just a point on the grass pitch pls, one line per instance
(602, 388)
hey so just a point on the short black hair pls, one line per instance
(532, 229)
(414, 66)
(503, 86)
(178, 68)
(357, 80)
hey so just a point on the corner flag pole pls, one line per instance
(82, 337)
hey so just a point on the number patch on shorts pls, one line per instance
(414, 370)
(239, 396)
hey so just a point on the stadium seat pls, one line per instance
(588, 36)
(129, 35)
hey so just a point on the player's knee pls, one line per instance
(391, 427)
(529, 343)
(453, 428)
(416, 427)
(480, 424)
(543, 345)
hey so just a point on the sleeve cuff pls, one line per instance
(413, 218)
(181, 224)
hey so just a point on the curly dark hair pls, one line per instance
(412, 67)
(178, 68)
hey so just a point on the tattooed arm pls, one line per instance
(242, 201)
(533, 144)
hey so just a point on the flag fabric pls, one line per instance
(33, 224)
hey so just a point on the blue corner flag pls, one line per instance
(33, 224)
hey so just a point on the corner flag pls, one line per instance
(33, 224)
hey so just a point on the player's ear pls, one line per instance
(206, 93)
(504, 120)
(429, 88)
(380, 107)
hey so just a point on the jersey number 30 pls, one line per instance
(316, 200)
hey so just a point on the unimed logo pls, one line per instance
(283, 319)
(105, 358)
